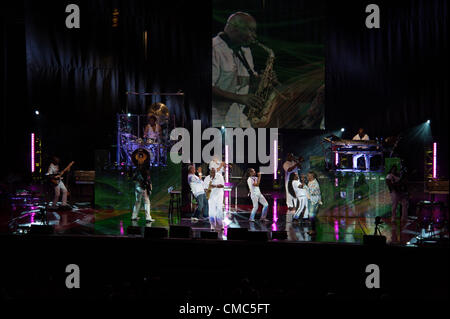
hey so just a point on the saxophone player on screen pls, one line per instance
(233, 73)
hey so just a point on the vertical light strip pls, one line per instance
(275, 214)
(336, 159)
(226, 163)
(434, 160)
(275, 159)
(32, 152)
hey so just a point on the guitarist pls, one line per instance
(55, 177)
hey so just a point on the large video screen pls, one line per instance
(268, 66)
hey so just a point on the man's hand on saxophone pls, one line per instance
(251, 100)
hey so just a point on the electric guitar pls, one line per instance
(54, 179)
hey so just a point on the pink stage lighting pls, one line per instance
(275, 155)
(434, 160)
(275, 210)
(336, 159)
(32, 152)
(226, 162)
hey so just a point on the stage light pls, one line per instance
(226, 162)
(129, 114)
(36, 112)
(275, 156)
(428, 121)
(32, 153)
(342, 129)
(434, 160)
(275, 213)
(223, 127)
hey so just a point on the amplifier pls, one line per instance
(84, 177)
(437, 186)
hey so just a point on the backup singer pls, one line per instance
(290, 166)
(58, 187)
(213, 184)
(253, 181)
(315, 199)
(196, 184)
(143, 187)
(299, 187)
(232, 69)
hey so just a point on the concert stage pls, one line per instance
(330, 229)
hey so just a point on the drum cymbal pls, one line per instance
(153, 108)
(163, 111)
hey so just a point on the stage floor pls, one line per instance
(111, 222)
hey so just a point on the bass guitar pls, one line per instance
(55, 179)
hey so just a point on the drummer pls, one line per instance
(153, 130)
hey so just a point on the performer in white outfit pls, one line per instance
(196, 184)
(214, 183)
(253, 181)
(233, 71)
(290, 166)
(314, 200)
(300, 189)
(53, 170)
(143, 187)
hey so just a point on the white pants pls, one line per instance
(302, 203)
(58, 189)
(257, 199)
(290, 201)
(215, 210)
(141, 194)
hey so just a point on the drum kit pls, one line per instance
(153, 147)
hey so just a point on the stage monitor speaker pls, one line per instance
(237, 233)
(209, 235)
(155, 232)
(374, 240)
(279, 235)
(42, 229)
(134, 230)
(258, 235)
(176, 231)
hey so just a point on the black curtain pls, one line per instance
(391, 79)
(78, 78)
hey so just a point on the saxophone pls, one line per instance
(265, 87)
(208, 190)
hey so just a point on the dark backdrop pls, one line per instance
(78, 78)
